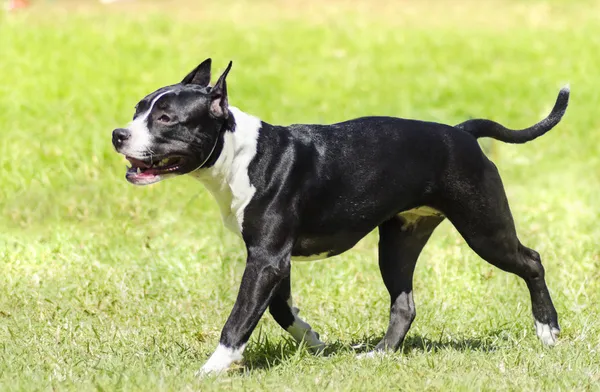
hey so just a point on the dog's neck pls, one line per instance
(227, 179)
(238, 144)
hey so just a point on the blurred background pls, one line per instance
(111, 283)
(73, 70)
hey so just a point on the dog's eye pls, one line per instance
(164, 118)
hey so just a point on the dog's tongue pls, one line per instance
(143, 177)
(140, 171)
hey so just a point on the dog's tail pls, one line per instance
(487, 128)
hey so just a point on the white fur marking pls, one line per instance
(221, 359)
(227, 180)
(140, 141)
(301, 331)
(372, 355)
(547, 334)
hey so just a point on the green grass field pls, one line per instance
(108, 286)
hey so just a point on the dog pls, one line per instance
(308, 191)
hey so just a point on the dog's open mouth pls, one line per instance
(143, 172)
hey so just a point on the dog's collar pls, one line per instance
(211, 152)
(221, 131)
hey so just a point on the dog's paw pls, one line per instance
(317, 347)
(314, 343)
(206, 371)
(220, 361)
(375, 354)
(210, 370)
(213, 368)
(547, 334)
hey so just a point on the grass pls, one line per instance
(108, 286)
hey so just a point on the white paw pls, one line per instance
(221, 360)
(315, 345)
(302, 332)
(209, 369)
(548, 335)
(371, 355)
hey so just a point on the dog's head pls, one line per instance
(176, 128)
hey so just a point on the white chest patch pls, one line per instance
(228, 180)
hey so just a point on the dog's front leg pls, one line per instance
(265, 270)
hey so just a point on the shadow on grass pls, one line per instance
(424, 344)
(265, 354)
(421, 343)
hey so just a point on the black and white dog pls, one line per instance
(305, 192)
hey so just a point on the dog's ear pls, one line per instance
(218, 101)
(200, 75)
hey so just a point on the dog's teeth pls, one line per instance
(164, 162)
(138, 170)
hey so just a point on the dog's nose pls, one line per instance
(119, 136)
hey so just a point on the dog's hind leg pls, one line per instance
(400, 243)
(286, 315)
(479, 210)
